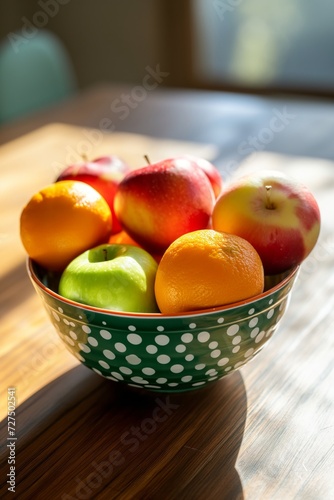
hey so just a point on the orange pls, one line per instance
(207, 268)
(123, 238)
(63, 220)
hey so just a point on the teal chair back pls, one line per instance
(34, 73)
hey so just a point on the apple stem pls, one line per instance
(105, 254)
(147, 159)
(269, 203)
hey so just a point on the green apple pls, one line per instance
(112, 276)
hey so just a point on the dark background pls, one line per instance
(107, 40)
(114, 41)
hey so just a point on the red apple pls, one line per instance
(277, 214)
(104, 174)
(158, 203)
(211, 171)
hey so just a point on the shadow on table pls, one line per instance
(15, 287)
(82, 436)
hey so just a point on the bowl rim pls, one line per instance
(291, 273)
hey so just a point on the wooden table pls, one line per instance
(264, 432)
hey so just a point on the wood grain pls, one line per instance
(27, 164)
(264, 432)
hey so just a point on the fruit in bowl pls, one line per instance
(206, 268)
(104, 174)
(219, 296)
(158, 203)
(159, 352)
(277, 214)
(111, 276)
(62, 220)
(211, 172)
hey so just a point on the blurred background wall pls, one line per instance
(243, 45)
(107, 40)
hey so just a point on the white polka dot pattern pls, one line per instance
(162, 356)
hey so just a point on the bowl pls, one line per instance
(165, 353)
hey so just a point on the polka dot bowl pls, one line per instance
(165, 353)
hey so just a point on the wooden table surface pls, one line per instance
(263, 432)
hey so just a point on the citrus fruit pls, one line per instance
(63, 220)
(122, 237)
(207, 268)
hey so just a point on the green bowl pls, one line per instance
(160, 352)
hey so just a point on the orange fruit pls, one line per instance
(207, 268)
(63, 220)
(123, 238)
